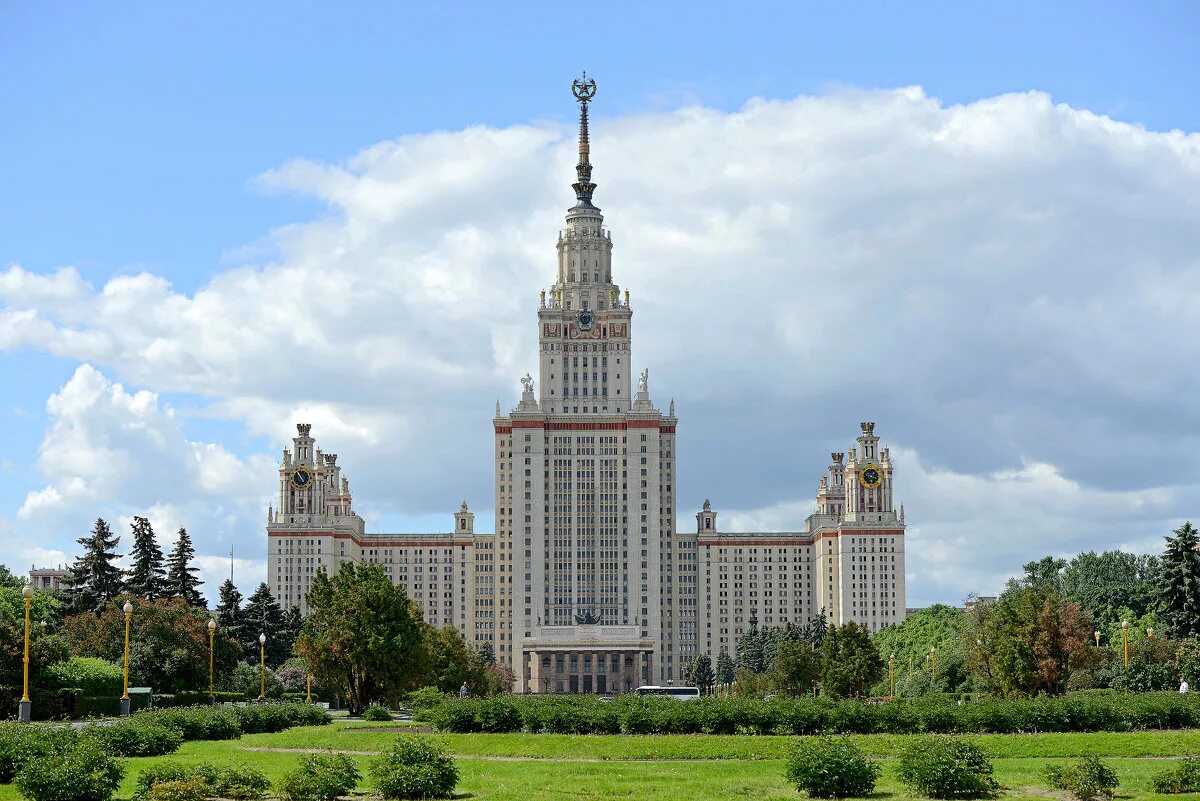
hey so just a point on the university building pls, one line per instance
(585, 585)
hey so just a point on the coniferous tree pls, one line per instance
(1179, 587)
(94, 578)
(292, 621)
(262, 614)
(182, 581)
(702, 674)
(725, 668)
(815, 631)
(229, 612)
(751, 647)
(145, 576)
(488, 652)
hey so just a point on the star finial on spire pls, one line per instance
(584, 89)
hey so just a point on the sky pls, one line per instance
(976, 225)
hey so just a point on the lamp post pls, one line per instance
(25, 707)
(128, 609)
(1096, 634)
(1125, 638)
(308, 686)
(212, 630)
(262, 667)
(892, 674)
(1150, 633)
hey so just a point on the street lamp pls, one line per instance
(128, 609)
(1125, 638)
(212, 630)
(262, 667)
(1150, 633)
(1096, 634)
(892, 673)
(25, 708)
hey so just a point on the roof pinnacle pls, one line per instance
(584, 89)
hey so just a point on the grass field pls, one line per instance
(520, 767)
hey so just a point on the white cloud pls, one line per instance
(1003, 283)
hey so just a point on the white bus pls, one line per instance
(678, 693)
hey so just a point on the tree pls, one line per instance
(1029, 641)
(46, 645)
(262, 614)
(725, 668)
(362, 634)
(815, 631)
(9, 580)
(1179, 589)
(182, 581)
(94, 579)
(1108, 584)
(796, 670)
(849, 661)
(145, 578)
(1046, 574)
(702, 673)
(488, 652)
(946, 628)
(168, 647)
(229, 613)
(751, 648)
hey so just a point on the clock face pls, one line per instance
(871, 477)
(301, 477)
(586, 318)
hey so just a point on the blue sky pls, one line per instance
(136, 138)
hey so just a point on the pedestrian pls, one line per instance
(464, 690)
(1183, 686)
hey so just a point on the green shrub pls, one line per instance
(189, 789)
(197, 722)
(85, 772)
(90, 675)
(423, 700)
(831, 767)
(1087, 779)
(135, 737)
(21, 744)
(233, 781)
(195, 698)
(946, 767)
(319, 777)
(376, 712)
(414, 768)
(1183, 778)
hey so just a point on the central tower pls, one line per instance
(585, 500)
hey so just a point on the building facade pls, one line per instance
(584, 585)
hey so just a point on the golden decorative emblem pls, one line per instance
(871, 477)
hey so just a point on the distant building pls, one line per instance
(48, 578)
(585, 585)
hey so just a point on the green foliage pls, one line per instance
(21, 744)
(176, 780)
(796, 670)
(449, 662)
(1087, 779)
(1029, 641)
(261, 718)
(1183, 778)
(248, 681)
(262, 614)
(376, 712)
(197, 722)
(136, 736)
(319, 777)
(701, 673)
(424, 699)
(91, 675)
(632, 714)
(146, 577)
(946, 628)
(168, 648)
(94, 578)
(725, 668)
(1187, 660)
(1112, 585)
(362, 633)
(181, 580)
(85, 772)
(850, 662)
(1179, 587)
(414, 768)
(831, 767)
(946, 767)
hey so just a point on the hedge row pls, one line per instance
(150, 733)
(636, 715)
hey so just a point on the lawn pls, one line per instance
(518, 767)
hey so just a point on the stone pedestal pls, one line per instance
(124, 707)
(24, 710)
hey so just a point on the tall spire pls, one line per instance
(584, 89)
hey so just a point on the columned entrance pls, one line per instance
(586, 659)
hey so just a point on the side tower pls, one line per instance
(584, 482)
